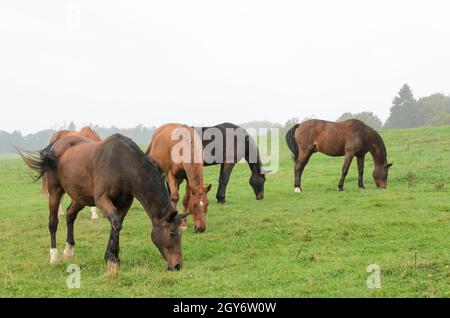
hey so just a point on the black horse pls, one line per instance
(242, 146)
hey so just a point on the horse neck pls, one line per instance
(378, 150)
(194, 174)
(152, 194)
(255, 167)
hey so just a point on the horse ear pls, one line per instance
(188, 188)
(172, 215)
(208, 188)
(389, 165)
(185, 215)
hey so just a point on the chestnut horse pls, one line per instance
(232, 155)
(84, 132)
(350, 138)
(109, 175)
(186, 164)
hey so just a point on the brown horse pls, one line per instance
(185, 164)
(84, 132)
(109, 175)
(350, 138)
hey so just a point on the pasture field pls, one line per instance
(315, 244)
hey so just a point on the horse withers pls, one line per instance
(236, 144)
(87, 132)
(177, 150)
(350, 138)
(109, 175)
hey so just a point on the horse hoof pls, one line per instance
(53, 256)
(298, 190)
(68, 252)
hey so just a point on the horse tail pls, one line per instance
(291, 142)
(41, 161)
(44, 184)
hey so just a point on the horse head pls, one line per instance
(257, 181)
(198, 207)
(166, 235)
(380, 175)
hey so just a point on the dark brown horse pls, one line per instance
(177, 150)
(83, 132)
(109, 175)
(243, 146)
(350, 138)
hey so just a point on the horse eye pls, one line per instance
(172, 234)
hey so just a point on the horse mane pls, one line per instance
(148, 165)
(379, 141)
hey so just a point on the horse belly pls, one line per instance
(330, 149)
(76, 179)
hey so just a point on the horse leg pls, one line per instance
(347, 162)
(174, 186)
(115, 217)
(360, 161)
(61, 208)
(94, 215)
(72, 213)
(44, 185)
(186, 199)
(54, 202)
(300, 165)
(225, 173)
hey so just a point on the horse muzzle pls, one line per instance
(176, 267)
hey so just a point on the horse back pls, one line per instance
(164, 139)
(332, 138)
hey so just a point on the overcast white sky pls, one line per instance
(202, 62)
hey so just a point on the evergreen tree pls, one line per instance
(72, 126)
(404, 110)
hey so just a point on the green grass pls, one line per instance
(314, 244)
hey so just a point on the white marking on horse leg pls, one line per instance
(113, 267)
(298, 190)
(53, 256)
(68, 252)
(61, 210)
(94, 215)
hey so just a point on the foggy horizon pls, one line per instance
(203, 63)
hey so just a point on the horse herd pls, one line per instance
(109, 174)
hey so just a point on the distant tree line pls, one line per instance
(140, 134)
(406, 112)
(409, 112)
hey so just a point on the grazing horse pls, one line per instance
(350, 138)
(244, 147)
(186, 164)
(109, 175)
(84, 132)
